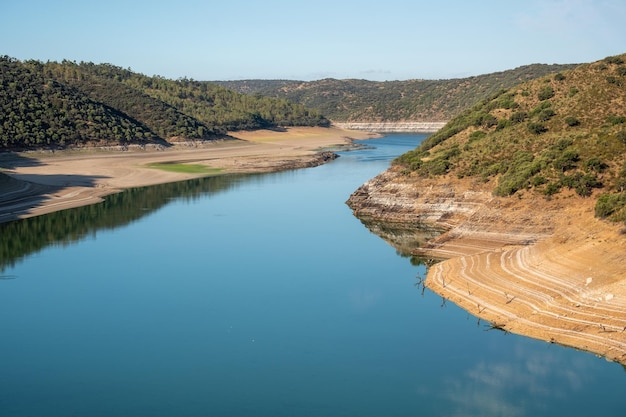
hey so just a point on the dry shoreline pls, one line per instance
(546, 269)
(44, 182)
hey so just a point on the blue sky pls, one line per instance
(272, 39)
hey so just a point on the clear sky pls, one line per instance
(280, 39)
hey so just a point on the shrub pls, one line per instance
(559, 77)
(438, 166)
(621, 136)
(613, 60)
(521, 169)
(538, 180)
(616, 120)
(479, 134)
(595, 165)
(571, 121)
(613, 80)
(518, 117)
(573, 91)
(503, 124)
(563, 144)
(621, 71)
(540, 107)
(582, 183)
(485, 120)
(567, 160)
(552, 188)
(545, 93)
(536, 128)
(545, 115)
(610, 205)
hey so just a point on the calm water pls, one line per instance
(258, 296)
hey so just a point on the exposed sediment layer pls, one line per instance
(544, 269)
(393, 127)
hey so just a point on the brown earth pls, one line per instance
(547, 269)
(42, 182)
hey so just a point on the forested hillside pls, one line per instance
(412, 100)
(565, 131)
(61, 104)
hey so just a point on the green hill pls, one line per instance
(413, 100)
(62, 104)
(565, 131)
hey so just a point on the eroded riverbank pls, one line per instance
(547, 269)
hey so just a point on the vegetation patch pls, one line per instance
(185, 168)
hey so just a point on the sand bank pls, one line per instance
(43, 182)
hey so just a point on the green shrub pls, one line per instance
(621, 136)
(611, 205)
(538, 180)
(503, 124)
(545, 93)
(485, 120)
(571, 121)
(438, 166)
(552, 188)
(479, 134)
(613, 60)
(563, 144)
(522, 167)
(613, 80)
(518, 117)
(621, 71)
(582, 183)
(540, 107)
(546, 114)
(616, 120)
(573, 91)
(595, 165)
(536, 128)
(559, 77)
(566, 161)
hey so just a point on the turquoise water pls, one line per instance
(258, 296)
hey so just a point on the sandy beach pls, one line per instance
(42, 182)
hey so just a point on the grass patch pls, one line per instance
(185, 168)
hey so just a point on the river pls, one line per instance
(258, 295)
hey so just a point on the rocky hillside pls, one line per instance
(565, 131)
(526, 190)
(392, 101)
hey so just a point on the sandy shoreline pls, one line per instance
(44, 182)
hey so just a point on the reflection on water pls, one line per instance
(23, 237)
(405, 238)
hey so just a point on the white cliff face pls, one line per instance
(392, 127)
(461, 211)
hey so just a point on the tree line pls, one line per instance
(56, 104)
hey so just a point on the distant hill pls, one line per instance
(392, 101)
(62, 104)
(565, 131)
